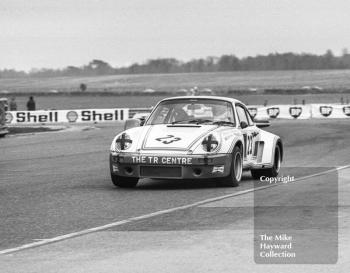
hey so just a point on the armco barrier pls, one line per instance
(66, 116)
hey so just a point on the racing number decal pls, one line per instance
(168, 139)
(249, 144)
(248, 147)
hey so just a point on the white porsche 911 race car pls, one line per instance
(195, 137)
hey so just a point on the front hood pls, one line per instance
(173, 137)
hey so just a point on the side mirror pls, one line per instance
(261, 123)
(132, 123)
(243, 124)
(142, 121)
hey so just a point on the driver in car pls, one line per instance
(179, 115)
(221, 113)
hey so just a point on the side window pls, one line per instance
(241, 114)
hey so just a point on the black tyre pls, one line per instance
(236, 169)
(124, 182)
(271, 172)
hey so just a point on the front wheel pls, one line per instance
(236, 169)
(124, 182)
(271, 172)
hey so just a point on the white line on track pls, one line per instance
(153, 214)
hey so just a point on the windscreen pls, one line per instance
(192, 111)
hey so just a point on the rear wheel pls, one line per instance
(236, 169)
(124, 182)
(271, 172)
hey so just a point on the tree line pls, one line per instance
(273, 61)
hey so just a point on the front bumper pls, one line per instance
(170, 167)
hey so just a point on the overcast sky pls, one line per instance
(57, 33)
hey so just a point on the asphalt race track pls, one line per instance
(54, 184)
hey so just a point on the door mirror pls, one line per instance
(261, 123)
(132, 123)
(243, 124)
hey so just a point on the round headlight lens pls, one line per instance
(123, 142)
(210, 143)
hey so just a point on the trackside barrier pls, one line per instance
(3, 111)
(281, 111)
(121, 114)
(330, 111)
(300, 111)
(133, 111)
(66, 116)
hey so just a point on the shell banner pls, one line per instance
(66, 116)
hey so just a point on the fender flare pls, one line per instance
(239, 144)
(237, 141)
(278, 142)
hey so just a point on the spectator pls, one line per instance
(13, 104)
(31, 104)
(191, 92)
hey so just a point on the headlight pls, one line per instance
(210, 143)
(123, 142)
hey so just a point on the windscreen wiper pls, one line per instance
(197, 121)
(223, 122)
